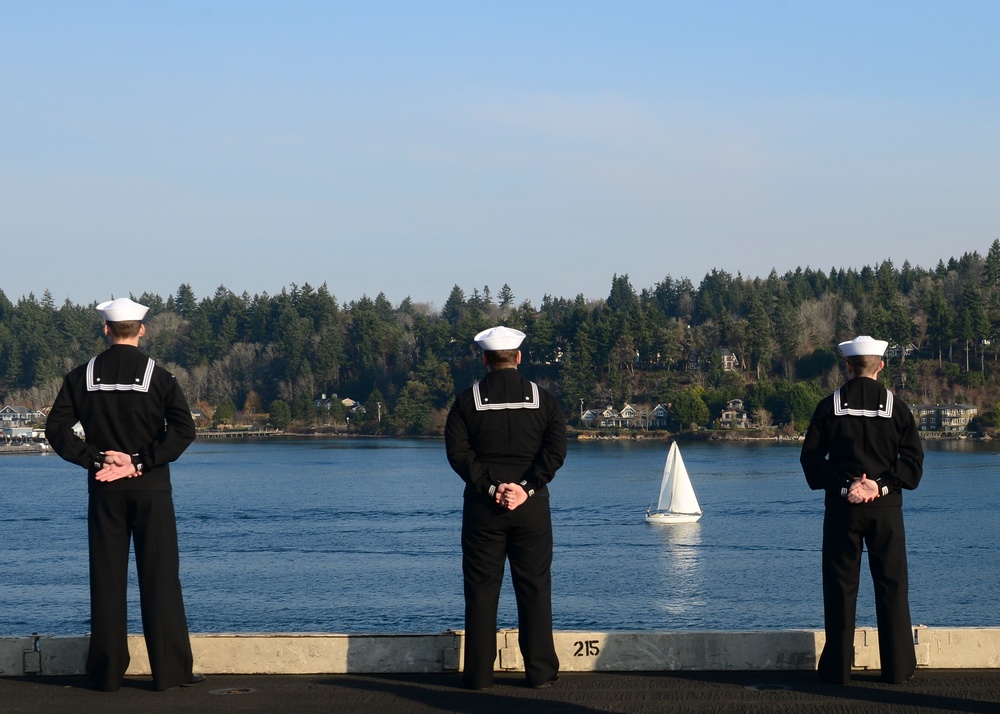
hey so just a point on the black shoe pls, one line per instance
(545, 685)
(195, 680)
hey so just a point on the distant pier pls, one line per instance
(34, 447)
(239, 433)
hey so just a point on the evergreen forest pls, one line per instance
(290, 360)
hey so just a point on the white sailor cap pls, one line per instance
(863, 345)
(121, 310)
(499, 338)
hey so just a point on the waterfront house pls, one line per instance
(627, 418)
(590, 418)
(734, 416)
(17, 434)
(943, 418)
(660, 418)
(609, 417)
(13, 415)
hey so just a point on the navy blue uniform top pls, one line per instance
(124, 402)
(505, 429)
(862, 429)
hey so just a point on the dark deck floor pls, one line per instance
(792, 691)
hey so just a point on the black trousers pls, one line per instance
(881, 530)
(147, 518)
(491, 535)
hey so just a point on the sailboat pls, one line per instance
(678, 502)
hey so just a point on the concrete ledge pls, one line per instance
(958, 648)
(665, 651)
(18, 656)
(325, 654)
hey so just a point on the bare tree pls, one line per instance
(762, 418)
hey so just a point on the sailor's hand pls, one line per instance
(117, 465)
(117, 458)
(862, 490)
(511, 495)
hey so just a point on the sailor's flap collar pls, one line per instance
(102, 377)
(483, 402)
(857, 400)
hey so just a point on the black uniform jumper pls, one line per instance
(124, 402)
(505, 429)
(862, 429)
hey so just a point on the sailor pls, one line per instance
(862, 448)
(136, 422)
(506, 437)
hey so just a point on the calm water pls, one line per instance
(363, 536)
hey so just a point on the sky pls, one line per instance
(407, 147)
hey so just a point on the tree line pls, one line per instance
(768, 341)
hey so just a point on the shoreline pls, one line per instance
(572, 435)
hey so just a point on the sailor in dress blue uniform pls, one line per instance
(136, 422)
(506, 437)
(863, 449)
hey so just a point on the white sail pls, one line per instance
(677, 502)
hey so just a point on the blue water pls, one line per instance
(363, 536)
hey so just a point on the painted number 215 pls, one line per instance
(586, 648)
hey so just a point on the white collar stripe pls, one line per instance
(841, 409)
(529, 403)
(93, 385)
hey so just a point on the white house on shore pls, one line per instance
(13, 415)
(629, 417)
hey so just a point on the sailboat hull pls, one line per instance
(669, 518)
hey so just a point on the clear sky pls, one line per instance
(405, 147)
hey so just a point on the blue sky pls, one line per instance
(405, 147)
